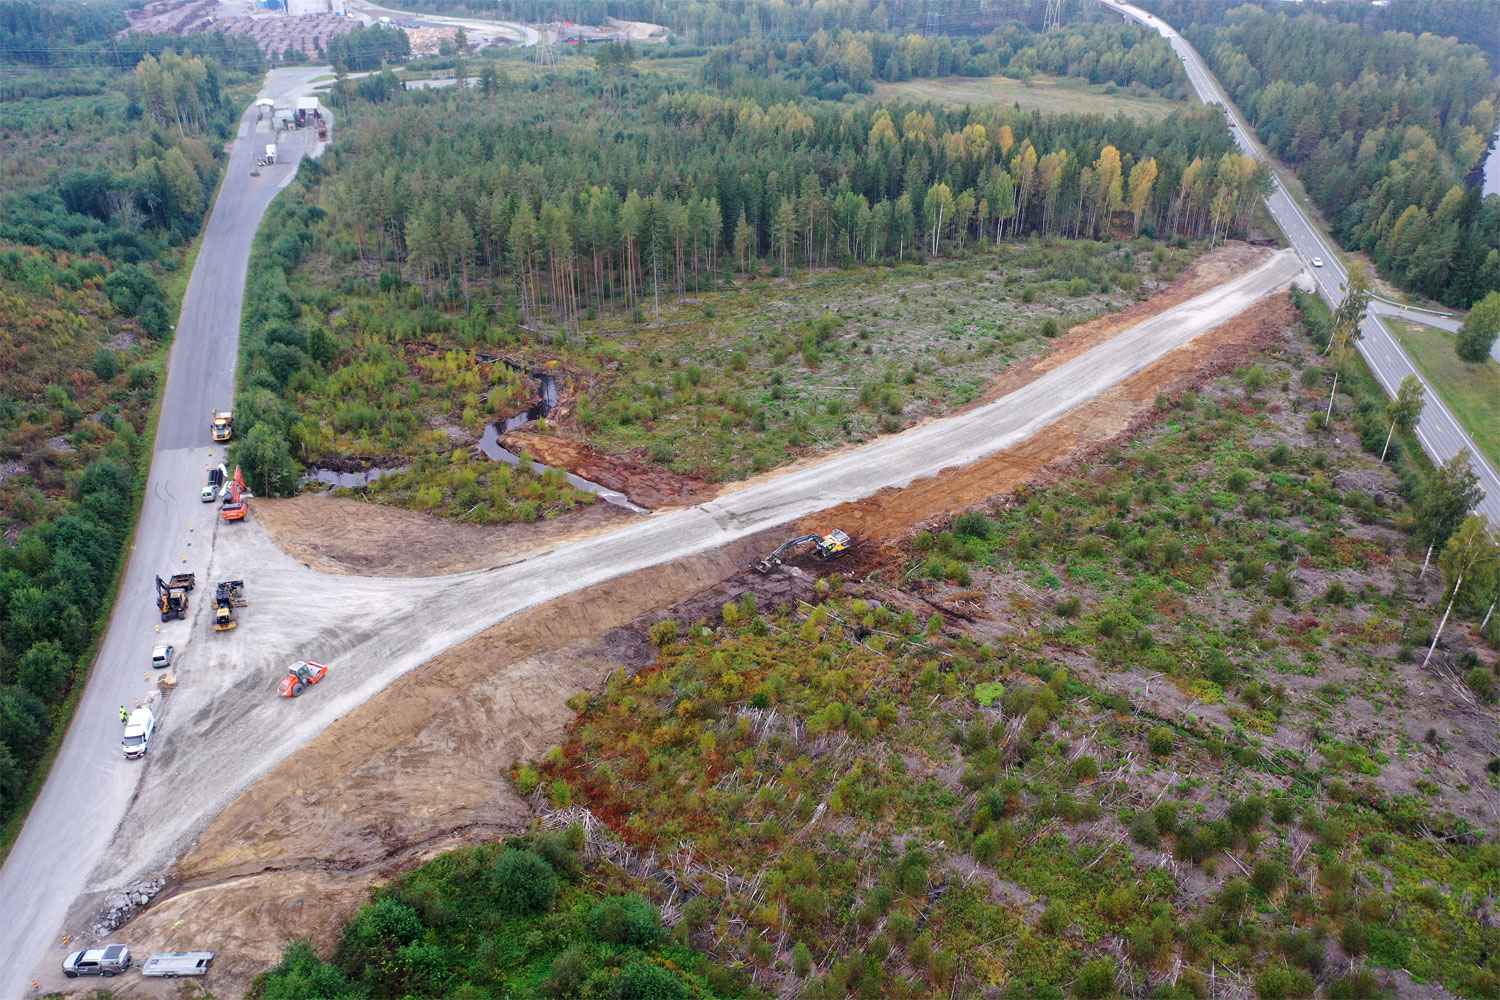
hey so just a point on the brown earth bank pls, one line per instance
(647, 486)
(340, 535)
(1080, 435)
(417, 770)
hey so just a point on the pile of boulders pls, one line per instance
(120, 906)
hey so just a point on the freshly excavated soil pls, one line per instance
(1076, 437)
(647, 486)
(417, 770)
(340, 535)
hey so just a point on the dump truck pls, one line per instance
(828, 546)
(230, 594)
(223, 425)
(171, 595)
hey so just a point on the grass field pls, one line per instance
(1471, 391)
(1044, 93)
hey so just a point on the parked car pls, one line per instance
(110, 960)
(138, 730)
(161, 656)
(215, 484)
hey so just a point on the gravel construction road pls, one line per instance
(1439, 431)
(91, 783)
(225, 726)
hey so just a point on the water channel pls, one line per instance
(489, 445)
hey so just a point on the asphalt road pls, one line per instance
(1438, 430)
(91, 784)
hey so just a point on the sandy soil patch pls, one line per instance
(340, 535)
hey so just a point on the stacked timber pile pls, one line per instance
(273, 32)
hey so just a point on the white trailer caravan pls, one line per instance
(171, 964)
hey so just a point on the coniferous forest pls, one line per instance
(1383, 128)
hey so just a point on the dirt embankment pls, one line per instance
(647, 486)
(339, 535)
(417, 770)
(1080, 435)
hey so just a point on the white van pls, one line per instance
(138, 730)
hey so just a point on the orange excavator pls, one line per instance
(235, 504)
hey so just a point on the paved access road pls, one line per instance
(91, 784)
(1438, 430)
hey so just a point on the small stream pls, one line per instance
(348, 480)
(489, 444)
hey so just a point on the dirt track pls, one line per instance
(225, 731)
(340, 535)
(1076, 437)
(421, 769)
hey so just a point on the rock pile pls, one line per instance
(120, 906)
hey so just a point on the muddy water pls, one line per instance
(348, 480)
(489, 444)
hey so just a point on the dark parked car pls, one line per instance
(110, 960)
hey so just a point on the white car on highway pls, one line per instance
(1317, 262)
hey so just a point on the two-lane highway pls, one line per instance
(91, 784)
(1439, 431)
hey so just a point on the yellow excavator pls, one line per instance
(828, 546)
